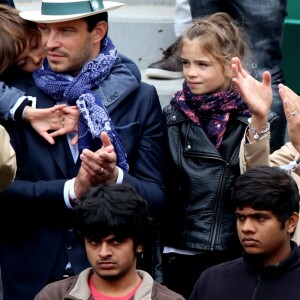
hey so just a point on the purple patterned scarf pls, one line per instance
(94, 117)
(210, 111)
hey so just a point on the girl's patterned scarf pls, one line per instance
(94, 117)
(210, 111)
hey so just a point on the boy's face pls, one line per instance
(260, 232)
(32, 56)
(112, 258)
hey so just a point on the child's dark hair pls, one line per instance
(220, 36)
(267, 188)
(15, 33)
(116, 209)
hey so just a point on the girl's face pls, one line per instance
(32, 56)
(202, 72)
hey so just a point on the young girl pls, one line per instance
(205, 121)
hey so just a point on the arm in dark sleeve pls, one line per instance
(146, 175)
(8, 98)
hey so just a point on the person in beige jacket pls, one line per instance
(8, 164)
(255, 146)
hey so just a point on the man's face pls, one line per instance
(260, 232)
(68, 45)
(112, 258)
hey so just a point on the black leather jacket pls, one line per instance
(198, 213)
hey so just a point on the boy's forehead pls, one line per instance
(250, 211)
(112, 236)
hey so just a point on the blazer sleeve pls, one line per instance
(147, 173)
(8, 98)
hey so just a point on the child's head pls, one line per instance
(207, 48)
(117, 210)
(20, 42)
(267, 188)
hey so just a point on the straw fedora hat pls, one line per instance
(53, 11)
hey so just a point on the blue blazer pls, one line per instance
(37, 237)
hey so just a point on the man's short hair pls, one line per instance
(115, 209)
(267, 188)
(94, 19)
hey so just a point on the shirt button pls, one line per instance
(173, 118)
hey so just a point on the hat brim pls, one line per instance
(36, 16)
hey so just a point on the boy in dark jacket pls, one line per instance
(267, 211)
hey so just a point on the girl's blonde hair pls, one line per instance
(15, 33)
(220, 36)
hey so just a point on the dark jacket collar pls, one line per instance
(254, 263)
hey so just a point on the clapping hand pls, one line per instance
(291, 104)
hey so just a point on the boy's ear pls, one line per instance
(292, 222)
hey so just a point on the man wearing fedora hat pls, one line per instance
(120, 140)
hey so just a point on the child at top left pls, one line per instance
(21, 51)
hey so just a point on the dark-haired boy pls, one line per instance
(267, 205)
(113, 223)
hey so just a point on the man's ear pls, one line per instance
(292, 222)
(99, 31)
(139, 249)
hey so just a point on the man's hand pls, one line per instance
(82, 183)
(101, 165)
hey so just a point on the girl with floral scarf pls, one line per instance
(205, 122)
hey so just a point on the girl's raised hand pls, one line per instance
(257, 95)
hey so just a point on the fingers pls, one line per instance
(58, 132)
(73, 110)
(287, 110)
(287, 94)
(237, 67)
(59, 106)
(236, 61)
(266, 79)
(105, 139)
(47, 137)
(74, 140)
(96, 167)
(291, 102)
(101, 165)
